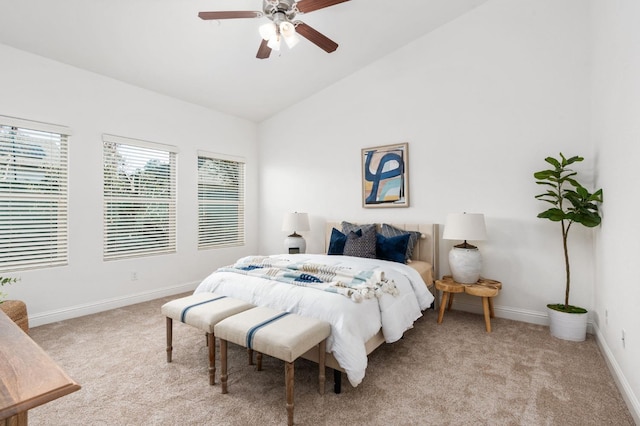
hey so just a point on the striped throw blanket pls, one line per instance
(356, 285)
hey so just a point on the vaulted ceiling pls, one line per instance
(163, 46)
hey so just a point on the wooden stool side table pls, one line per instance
(485, 288)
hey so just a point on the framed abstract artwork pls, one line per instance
(385, 176)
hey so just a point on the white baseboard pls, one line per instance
(107, 304)
(523, 315)
(623, 385)
(541, 318)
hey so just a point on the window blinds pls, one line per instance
(139, 198)
(220, 201)
(33, 194)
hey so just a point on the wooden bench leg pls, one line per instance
(322, 347)
(487, 316)
(223, 366)
(211, 342)
(259, 361)
(288, 377)
(169, 338)
(491, 307)
(443, 304)
(450, 301)
(250, 355)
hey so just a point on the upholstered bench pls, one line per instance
(203, 311)
(281, 335)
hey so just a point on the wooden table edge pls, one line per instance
(14, 409)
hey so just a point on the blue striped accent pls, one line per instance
(185, 310)
(252, 331)
(308, 278)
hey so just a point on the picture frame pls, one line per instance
(385, 176)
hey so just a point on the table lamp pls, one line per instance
(465, 260)
(294, 222)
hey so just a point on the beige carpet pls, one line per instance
(449, 374)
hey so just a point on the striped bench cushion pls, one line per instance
(203, 310)
(281, 335)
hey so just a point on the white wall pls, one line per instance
(481, 101)
(616, 130)
(39, 89)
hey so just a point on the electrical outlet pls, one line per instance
(624, 335)
(134, 276)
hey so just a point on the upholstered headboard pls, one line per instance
(426, 248)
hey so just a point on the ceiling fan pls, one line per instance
(282, 24)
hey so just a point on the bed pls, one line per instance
(358, 327)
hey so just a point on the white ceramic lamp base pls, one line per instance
(293, 244)
(465, 265)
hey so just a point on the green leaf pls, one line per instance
(554, 214)
(582, 191)
(596, 196)
(573, 159)
(545, 174)
(555, 163)
(573, 182)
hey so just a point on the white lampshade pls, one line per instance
(267, 30)
(465, 226)
(274, 43)
(294, 222)
(287, 29)
(465, 260)
(291, 40)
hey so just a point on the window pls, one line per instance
(220, 201)
(139, 198)
(33, 194)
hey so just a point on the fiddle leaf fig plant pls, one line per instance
(3, 281)
(572, 203)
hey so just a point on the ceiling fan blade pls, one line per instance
(320, 40)
(263, 51)
(230, 14)
(306, 6)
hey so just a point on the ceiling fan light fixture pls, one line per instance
(292, 40)
(287, 29)
(274, 42)
(281, 14)
(268, 31)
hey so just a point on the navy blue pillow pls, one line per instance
(392, 231)
(337, 241)
(392, 248)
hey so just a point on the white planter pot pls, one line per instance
(567, 326)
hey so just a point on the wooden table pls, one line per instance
(485, 288)
(28, 377)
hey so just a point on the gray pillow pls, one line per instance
(391, 231)
(361, 246)
(349, 227)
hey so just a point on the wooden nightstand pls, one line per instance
(485, 288)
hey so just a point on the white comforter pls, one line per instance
(352, 324)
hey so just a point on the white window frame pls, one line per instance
(34, 192)
(128, 164)
(221, 208)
